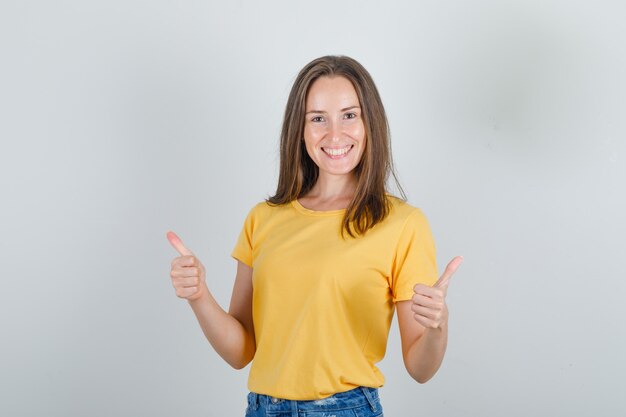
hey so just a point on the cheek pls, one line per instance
(308, 135)
(358, 131)
(309, 147)
(313, 132)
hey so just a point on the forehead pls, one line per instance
(336, 91)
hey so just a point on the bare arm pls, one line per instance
(423, 322)
(231, 334)
(423, 348)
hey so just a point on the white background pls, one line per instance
(120, 120)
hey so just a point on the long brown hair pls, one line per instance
(298, 172)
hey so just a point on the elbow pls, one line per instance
(422, 379)
(422, 373)
(241, 363)
(238, 366)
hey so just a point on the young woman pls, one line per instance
(323, 263)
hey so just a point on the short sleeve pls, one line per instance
(244, 247)
(415, 259)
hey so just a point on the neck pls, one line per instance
(329, 187)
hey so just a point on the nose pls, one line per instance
(335, 131)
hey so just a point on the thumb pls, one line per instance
(447, 274)
(178, 244)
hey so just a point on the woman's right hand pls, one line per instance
(188, 273)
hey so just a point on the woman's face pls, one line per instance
(334, 133)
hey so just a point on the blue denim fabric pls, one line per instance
(358, 402)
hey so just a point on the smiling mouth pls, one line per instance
(338, 153)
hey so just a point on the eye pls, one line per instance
(317, 119)
(350, 115)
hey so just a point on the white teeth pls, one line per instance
(335, 152)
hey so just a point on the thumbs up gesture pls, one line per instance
(429, 303)
(188, 274)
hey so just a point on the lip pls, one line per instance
(335, 148)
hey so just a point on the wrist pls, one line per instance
(442, 327)
(201, 295)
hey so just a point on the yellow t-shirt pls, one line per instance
(322, 307)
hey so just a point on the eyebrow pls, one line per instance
(321, 111)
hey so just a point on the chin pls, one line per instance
(338, 171)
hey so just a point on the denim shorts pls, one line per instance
(358, 402)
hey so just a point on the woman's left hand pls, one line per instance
(429, 303)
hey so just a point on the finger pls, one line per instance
(186, 292)
(426, 301)
(178, 244)
(185, 282)
(427, 291)
(185, 271)
(425, 312)
(423, 320)
(450, 270)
